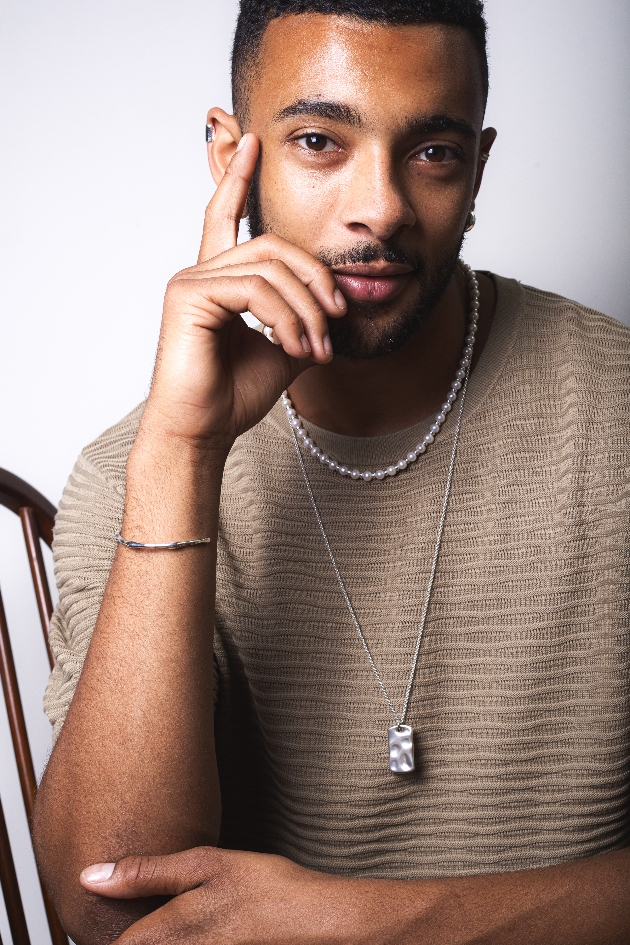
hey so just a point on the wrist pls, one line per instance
(382, 912)
(186, 437)
(157, 443)
(173, 488)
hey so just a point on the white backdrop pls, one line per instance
(104, 182)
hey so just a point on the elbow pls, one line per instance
(87, 919)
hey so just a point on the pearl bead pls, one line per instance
(366, 476)
(301, 432)
(464, 363)
(412, 457)
(452, 397)
(379, 474)
(295, 422)
(454, 386)
(308, 442)
(355, 474)
(291, 412)
(323, 458)
(391, 470)
(333, 465)
(446, 408)
(429, 438)
(434, 428)
(441, 417)
(344, 470)
(460, 375)
(421, 447)
(315, 451)
(401, 464)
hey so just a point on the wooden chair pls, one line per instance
(37, 516)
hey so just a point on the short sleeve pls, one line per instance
(89, 514)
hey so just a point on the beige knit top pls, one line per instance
(521, 705)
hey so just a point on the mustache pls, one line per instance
(372, 252)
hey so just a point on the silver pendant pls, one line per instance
(401, 760)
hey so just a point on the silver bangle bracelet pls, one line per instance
(168, 546)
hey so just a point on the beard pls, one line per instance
(373, 329)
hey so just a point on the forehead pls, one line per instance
(383, 71)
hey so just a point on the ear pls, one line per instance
(226, 136)
(488, 137)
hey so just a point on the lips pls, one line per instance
(367, 283)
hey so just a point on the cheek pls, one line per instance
(300, 204)
(441, 206)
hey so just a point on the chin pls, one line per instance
(371, 331)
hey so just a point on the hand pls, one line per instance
(234, 898)
(214, 376)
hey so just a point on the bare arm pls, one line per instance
(249, 899)
(134, 768)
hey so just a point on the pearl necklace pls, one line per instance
(462, 371)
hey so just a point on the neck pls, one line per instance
(384, 395)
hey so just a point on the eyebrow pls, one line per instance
(433, 124)
(315, 108)
(347, 115)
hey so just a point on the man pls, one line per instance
(453, 586)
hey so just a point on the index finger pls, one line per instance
(223, 213)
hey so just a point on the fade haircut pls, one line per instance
(255, 15)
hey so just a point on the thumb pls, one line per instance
(137, 876)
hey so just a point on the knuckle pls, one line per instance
(272, 240)
(140, 870)
(323, 273)
(275, 267)
(180, 276)
(257, 283)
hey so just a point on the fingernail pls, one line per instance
(99, 873)
(327, 344)
(305, 344)
(241, 143)
(340, 302)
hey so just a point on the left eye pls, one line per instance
(436, 154)
(316, 143)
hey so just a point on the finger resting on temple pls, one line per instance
(224, 212)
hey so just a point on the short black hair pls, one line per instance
(255, 15)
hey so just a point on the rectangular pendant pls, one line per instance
(401, 760)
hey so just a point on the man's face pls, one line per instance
(369, 147)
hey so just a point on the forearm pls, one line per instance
(583, 902)
(134, 768)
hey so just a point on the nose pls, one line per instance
(374, 204)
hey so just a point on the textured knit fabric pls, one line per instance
(521, 701)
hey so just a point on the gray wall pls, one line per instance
(104, 181)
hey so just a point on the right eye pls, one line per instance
(316, 142)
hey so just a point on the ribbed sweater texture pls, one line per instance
(521, 702)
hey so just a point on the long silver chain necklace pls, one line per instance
(400, 735)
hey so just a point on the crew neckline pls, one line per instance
(381, 448)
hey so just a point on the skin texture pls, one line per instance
(134, 770)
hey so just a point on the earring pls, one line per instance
(470, 222)
(485, 156)
(209, 133)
